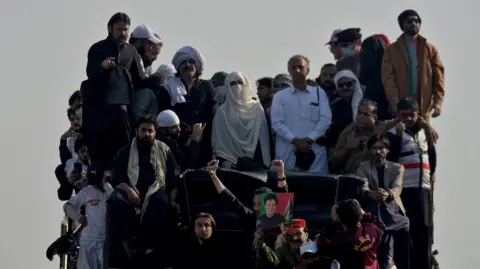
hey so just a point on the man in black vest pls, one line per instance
(114, 69)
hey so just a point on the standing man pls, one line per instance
(325, 80)
(350, 42)
(114, 68)
(300, 115)
(148, 45)
(333, 45)
(265, 92)
(412, 68)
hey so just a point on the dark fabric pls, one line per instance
(66, 189)
(371, 56)
(381, 177)
(349, 250)
(200, 107)
(394, 250)
(342, 116)
(419, 207)
(421, 247)
(208, 255)
(65, 153)
(120, 166)
(146, 174)
(185, 156)
(103, 143)
(249, 220)
(304, 160)
(145, 103)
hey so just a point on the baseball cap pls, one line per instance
(309, 247)
(144, 31)
(349, 35)
(334, 38)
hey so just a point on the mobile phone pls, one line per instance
(214, 164)
(77, 166)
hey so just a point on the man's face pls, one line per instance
(83, 154)
(336, 50)
(298, 68)
(257, 204)
(119, 30)
(146, 132)
(203, 228)
(264, 93)
(152, 52)
(77, 104)
(411, 26)
(350, 48)
(174, 131)
(408, 116)
(346, 88)
(326, 77)
(75, 122)
(270, 207)
(297, 237)
(279, 86)
(379, 151)
(366, 116)
(188, 68)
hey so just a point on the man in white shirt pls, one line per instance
(300, 115)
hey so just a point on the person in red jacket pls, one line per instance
(356, 246)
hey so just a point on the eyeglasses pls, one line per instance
(345, 84)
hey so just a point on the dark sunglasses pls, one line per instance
(345, 84)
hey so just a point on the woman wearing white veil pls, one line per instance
(240, 126)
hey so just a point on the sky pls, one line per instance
(44, 49)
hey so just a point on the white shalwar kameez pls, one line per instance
(301, 114)
(92, 237)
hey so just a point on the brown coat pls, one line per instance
(393, 179)
(396, 77)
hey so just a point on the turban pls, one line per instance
(168, 118)
(188, 53)
(166, 70)
(405, 14)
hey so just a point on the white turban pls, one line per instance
(166, 70)
(168, 118)
(357, 95)
(187, 53)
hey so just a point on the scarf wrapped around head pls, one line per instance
(187, 53)
(282, 79)
(357, 95)
(240, 123)
(167, 71)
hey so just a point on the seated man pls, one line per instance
(355, 246)
(382, 189)
(144, 174)
(169, 132)
(351, 147)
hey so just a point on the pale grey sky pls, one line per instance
(44, 50)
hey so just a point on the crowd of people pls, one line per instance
(134, 131)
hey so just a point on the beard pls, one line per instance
(411, 31)
(328, 86)
(145, 142)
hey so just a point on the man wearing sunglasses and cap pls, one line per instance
(412, 68)
(349, 41)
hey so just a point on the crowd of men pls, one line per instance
(134, 131)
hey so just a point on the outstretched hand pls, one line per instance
(212, 167)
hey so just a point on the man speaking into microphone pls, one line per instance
(114, 70)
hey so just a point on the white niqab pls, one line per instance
(357, 95)
(240, 124)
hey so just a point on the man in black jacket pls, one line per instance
(114, 69)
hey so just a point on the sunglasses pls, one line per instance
(345, 84)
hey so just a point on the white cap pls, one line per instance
(144, 31)
(309, 247)
(167, 70)
(168, 118)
